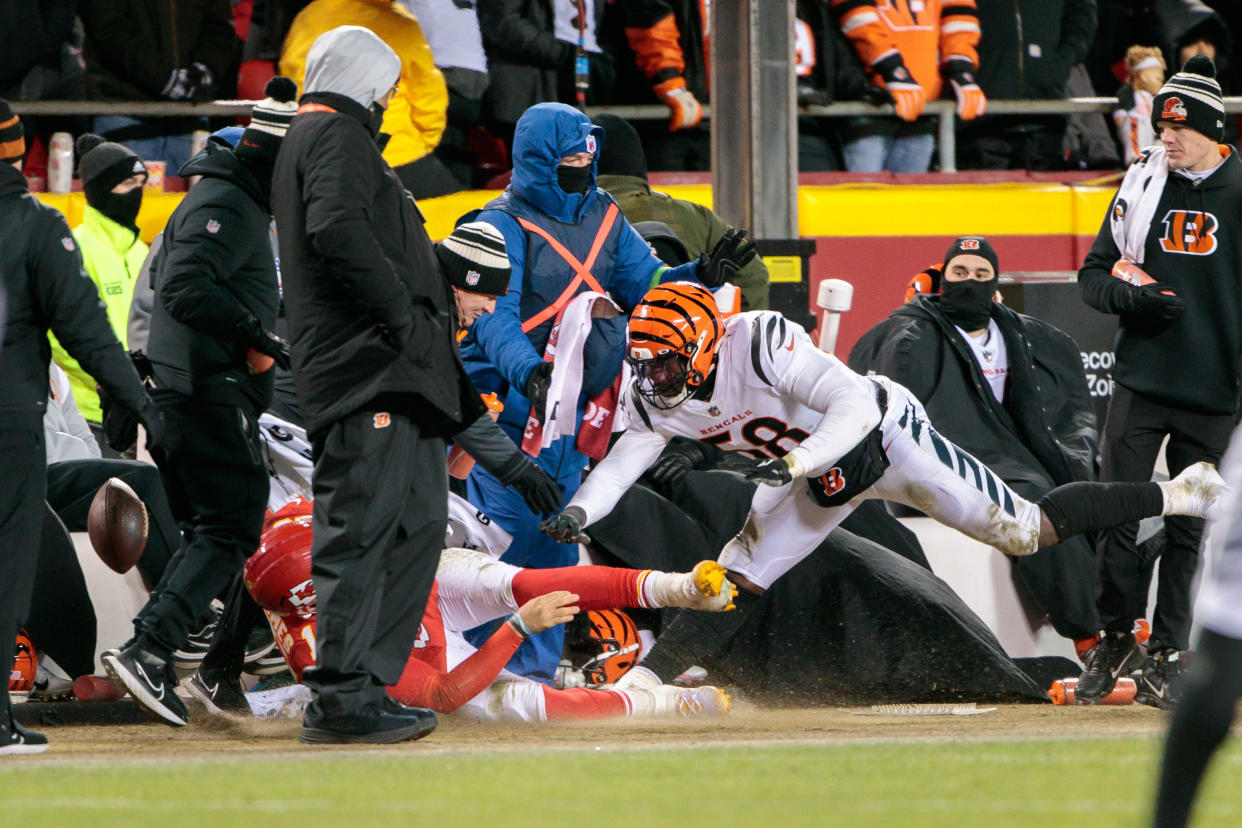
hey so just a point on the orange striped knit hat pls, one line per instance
(12, 137)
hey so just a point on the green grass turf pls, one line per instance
(1097, 782)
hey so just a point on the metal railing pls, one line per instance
(943, 111)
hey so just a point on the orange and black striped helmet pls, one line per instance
(674, 333)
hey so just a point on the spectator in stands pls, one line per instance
(112, 178)
(144, 50)
(906, 50)
(1135, 132)
(622, 171)
(1166, 262)
(667, 53)
(37, 59)
(416, 117)
(1010, 390)
(452, 31)
(531, 52)
(1027, 52)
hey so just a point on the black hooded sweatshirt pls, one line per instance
(1191, 362)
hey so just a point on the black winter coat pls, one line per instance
(1191, 362)
(132, 46)
(1045, 432)
(1029, 46)
(359, 271)
(43, 287)
(31, 32)
(213, 270)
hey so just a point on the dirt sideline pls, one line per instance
(207, 738)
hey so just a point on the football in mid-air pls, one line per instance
(117, 525)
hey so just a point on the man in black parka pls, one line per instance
(212, 353)
(380, 383)
(1037, 433)
(42, 287)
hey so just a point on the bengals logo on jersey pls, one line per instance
(1189, 232)
(833, 480)
(1174, 110)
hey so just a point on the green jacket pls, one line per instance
(698, 228)
(113, 256)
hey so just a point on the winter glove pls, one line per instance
(808, 95)
(566, 527)
(120, 427)
(679, 459)
(537, 387)
(535, 486)
(160, 433)
(1157, 300)
(193, 82)
(732, 253)
(775, 472)
(686, 110)
(908, 97)
(971, 102)
(262, 343)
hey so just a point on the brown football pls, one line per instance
(117, 525)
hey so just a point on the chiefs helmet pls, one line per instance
(25, 664)
(278, 576)
(298, 507)
(673, 336)
(601, 646)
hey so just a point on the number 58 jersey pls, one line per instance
(774, 393)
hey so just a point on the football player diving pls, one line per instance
(825, 439)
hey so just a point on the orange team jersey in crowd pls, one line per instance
(925, 32)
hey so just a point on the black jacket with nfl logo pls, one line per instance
(1191, 362)
(214, 269)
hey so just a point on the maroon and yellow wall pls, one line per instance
(874, 235)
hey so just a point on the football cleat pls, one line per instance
(1160, 679)
(1193, 492)
(1113, 657)
(703, 701)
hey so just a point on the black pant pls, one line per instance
(381, 505)
(1133, 431)
(21, 520)
(241, 615)
(217, 486)
(61, 619)
(71, 486)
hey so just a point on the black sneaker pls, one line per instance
(219, 692)
(376, 724)
(190, 654)
(1115, 656)
(149, 680)
(15, 739)
(1159, 680)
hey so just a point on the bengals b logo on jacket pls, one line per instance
(1190, 232)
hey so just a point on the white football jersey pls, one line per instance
(775, 393)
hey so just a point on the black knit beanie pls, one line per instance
(103, 164)
(474, 259)
(622, 153)
(12, 135)
(1192, 98)
(972, 246)
(269, 121)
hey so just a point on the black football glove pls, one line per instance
(566, 527)
(732, 253)
(679, 459)
(774, 472)
(161, 434)
(264, 341)
(1158, 300)
(120, 427)
(537, 387)
(535, 485)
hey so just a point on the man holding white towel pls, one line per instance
(1168, 261)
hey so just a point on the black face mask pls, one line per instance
(377, 117)
(968, 303)
(573, 180)
(121, 208)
